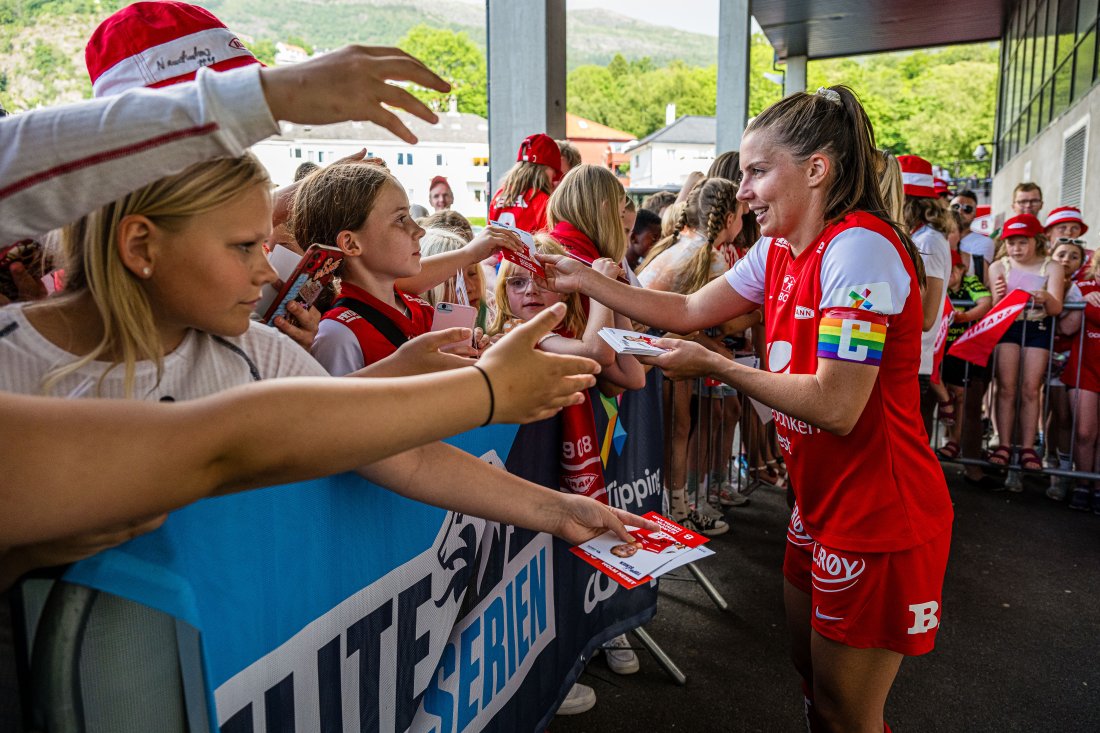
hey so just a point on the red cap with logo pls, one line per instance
(1021, 225)
(1064, 214)
(156, 44)
(541, 149)
(941, 186)
(916, 176)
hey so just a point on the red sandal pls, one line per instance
(949, 451)
(1000, 456)
(1029, 460)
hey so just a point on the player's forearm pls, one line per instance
(435, 270)
(664, 310)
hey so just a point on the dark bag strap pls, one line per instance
(381, 324)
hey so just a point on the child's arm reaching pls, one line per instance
(439, 268)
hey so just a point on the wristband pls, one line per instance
(492, 401)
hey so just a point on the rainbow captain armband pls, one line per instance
(851, 334)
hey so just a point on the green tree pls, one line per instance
(264, 50)
(456, 58)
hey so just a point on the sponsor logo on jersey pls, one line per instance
(801, 312)
(834, 572)
(779, 356)
(878, 297)
(796, 533)
(347, 316)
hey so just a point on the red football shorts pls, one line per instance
(885, 600)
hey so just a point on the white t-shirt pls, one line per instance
(853, 255)
(977, 244)
(936, 252)
(201, 365)
(668, 270)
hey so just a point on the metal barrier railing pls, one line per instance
(731, 443)
(1045, 397)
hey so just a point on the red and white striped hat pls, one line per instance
(155, 44)
(916, 176)
(1065, 214)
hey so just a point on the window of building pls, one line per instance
(1074, 151)
(401, 159)
(439, 159)
(297, 152)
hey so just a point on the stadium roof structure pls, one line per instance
(820, 29)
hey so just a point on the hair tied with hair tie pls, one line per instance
(830, 94)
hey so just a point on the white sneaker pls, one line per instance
(620, 657)
(1014, 482)
(581, 699)
(728, 495)
(707, 510)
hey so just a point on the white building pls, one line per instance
(457, 147)
(667, 156)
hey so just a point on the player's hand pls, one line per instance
(493, 239)
(684, 360)
(577, 519)
(352, 83)
(529, 384)
(302, 324)
(564, 274)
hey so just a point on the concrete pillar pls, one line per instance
(795, 78)
(734, 37)
(526, 48)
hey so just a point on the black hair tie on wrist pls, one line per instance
(492, 401)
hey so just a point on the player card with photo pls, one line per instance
(647, 556)
(527, 260)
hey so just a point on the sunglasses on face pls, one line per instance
(964, 208)
(1067, 240)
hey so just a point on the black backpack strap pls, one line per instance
(381, 324)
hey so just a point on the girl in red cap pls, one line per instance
(522, 198)
(1022, 353)
(840, 287)
(1065, 224)
(1082, 375)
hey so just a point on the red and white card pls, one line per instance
(651, 554)
(527, 260)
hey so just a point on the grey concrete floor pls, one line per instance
(1019, 649)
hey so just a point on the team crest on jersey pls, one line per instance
(877, 297)
(788, 286)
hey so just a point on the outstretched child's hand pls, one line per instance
(490, 240)
(579, 518)
(529, 384)
(423, 355)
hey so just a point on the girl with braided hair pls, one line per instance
(683, 262)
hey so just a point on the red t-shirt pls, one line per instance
(333, 340)
(1085, 351)
(852, 295)
(527, 212)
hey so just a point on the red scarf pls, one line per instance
(576, 242)
(581, 465)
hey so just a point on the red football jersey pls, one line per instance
(852, 296)
(527, 213)
(1085, 351)
(373, 344)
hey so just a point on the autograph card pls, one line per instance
(526, 260)
(650, 555)
(624, 341)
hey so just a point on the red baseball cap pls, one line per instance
(941, 186)
(916, 176)
(541, 149)
(156, 44)
(1065, 214)
(436, 181)
(1021, 225)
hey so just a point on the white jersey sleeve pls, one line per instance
(935, 251)
(337, 349)
(59, 163)
(862, 269)
(747, 274)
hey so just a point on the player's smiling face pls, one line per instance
(773, 185)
